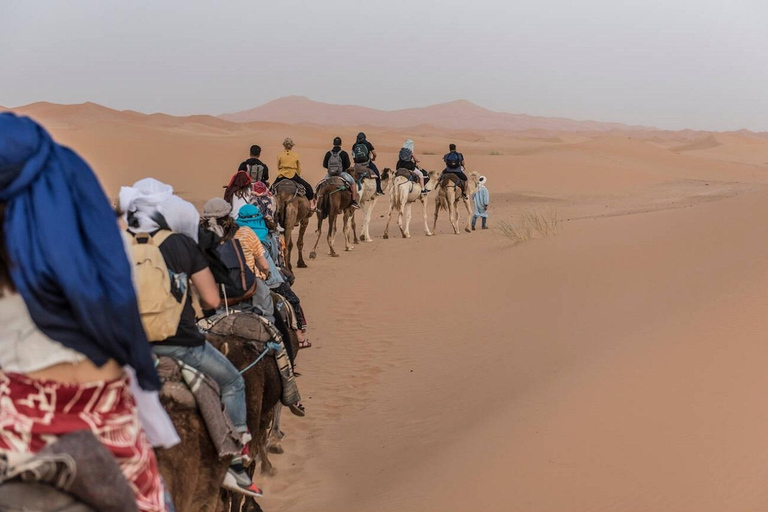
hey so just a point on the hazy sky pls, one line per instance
(667, 63)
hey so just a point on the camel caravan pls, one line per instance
(188, 359)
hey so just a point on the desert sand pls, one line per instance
(618, 365)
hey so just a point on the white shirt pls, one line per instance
(23, 347)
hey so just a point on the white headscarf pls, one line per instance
(408, 145)
(483, 180)
(147, 198)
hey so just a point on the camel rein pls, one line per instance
(271, 345)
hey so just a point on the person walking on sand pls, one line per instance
(481, 200)
(336, 162)
(256, 169)
(289, 168)
(454, 164)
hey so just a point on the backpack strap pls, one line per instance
(238, 253)
(161, 236)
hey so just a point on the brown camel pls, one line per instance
(449, 196)
(404, 193)
(333, 198)
(192, 470)
(292, 210)
(368, 197)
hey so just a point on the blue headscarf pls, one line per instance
(68, 261)
(250, 216)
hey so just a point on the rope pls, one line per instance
(270, 346)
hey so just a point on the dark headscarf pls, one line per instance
(361, 137)
(68, 258)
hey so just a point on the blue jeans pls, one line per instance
(215, 365)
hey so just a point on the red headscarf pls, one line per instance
(239, 181)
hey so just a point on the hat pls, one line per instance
(288, 142)
(216, 208)
(482, 180)
(259, 188)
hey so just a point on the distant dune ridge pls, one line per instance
(455, 115)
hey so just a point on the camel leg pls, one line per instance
(368, 209)
(274, 444)
(289, 245)
(332, 234)
(313, 254)
(426, 223)
(389, 218)
(407, 233)
(354, 230)
(437, 212)
(468, 227)
(300, 242)
(401, 219)
(348, 219)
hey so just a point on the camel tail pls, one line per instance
(324, 206)
(442, 202)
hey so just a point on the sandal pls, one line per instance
(305, 344)
(298, 409)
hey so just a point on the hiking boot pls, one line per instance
(237, 480)
(473, 228)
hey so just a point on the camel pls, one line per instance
(448, 197)
(368, 198)
(334, 198)
(292, 210)
(402, 196)
(192, 470)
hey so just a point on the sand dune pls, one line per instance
(615, 366)
(459, 114)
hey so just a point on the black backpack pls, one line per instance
(231, 253)
(453, 160)
(361, 153)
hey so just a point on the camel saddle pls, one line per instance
(189, 388)
(453, 178)
(362, 172)
(336, 181)
(289, 187)
(75, 474)
(406, 173)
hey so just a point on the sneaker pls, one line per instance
(379, 193)
(298, 409)
(355, 205)
(424, 191)
(237, 480)
(473, 228)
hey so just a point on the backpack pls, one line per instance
(256, 172)
(405, 155)
(161, 293)
(335, 165)
(231, 253)
(453, 160)
(360, 152)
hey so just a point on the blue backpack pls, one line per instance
(453, 160)
(405, 155)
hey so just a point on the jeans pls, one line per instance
(375, 170)
(474, 221)
(215, 365)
